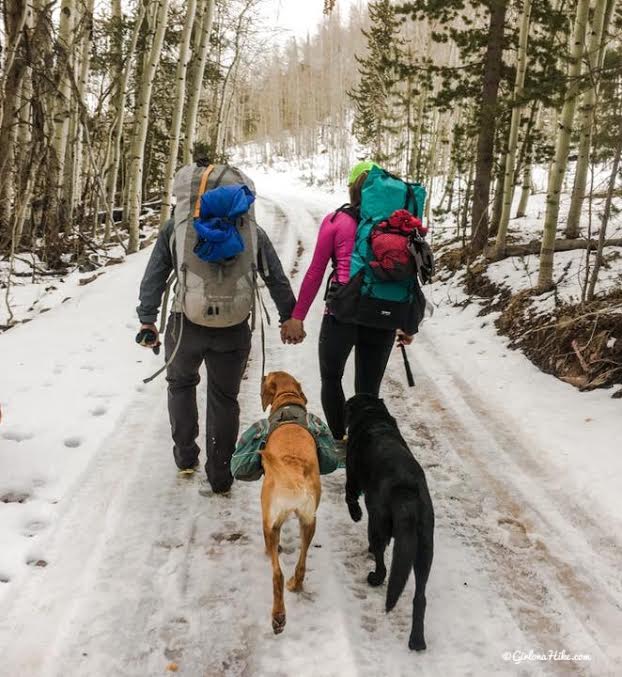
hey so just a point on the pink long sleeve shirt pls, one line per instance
(335, 242)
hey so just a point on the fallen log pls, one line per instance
(534, 246)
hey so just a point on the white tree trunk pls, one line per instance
(118, 110)
(196, 79)
(141, 123)
(180, 95)
(557, 171)
(62, 108)
(594, 57)
(74, 190)
(605, 220)
(510, 160)
(525, 190)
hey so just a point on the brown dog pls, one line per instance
(291, 484)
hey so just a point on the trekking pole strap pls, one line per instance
(167, 294)
(181, 331)
(172, 357)
(262, 330)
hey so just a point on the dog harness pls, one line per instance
(290, 413)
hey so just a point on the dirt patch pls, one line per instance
(581, 345)
(494, 296)
(300, 250)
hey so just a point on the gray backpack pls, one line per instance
(212, 294)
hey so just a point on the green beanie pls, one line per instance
(359, 169)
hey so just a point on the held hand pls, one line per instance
(292, 331)
(404, 339)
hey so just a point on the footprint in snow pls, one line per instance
(16, 435)
(4, 578)
(231, 538)
(516, 532)
(368, 623)
(15, 497)
(34, 527)
(99, 411)
(73, 442)
(34, 562)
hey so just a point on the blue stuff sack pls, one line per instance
(218, 238)
(246, 460)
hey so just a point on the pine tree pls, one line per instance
(374, 98)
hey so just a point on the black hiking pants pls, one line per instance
(372, 348)
(225, 353)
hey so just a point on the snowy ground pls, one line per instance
(112, 565)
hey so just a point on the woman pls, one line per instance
(372, 346)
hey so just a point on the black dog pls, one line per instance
(380, 464)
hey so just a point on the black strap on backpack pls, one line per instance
(348, 209)
(410, 197)
(331, 284)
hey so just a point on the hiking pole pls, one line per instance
(409, 375)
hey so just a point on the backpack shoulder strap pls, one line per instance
(346, 209)
(202, 189)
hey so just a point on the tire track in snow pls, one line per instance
(535, 552)
(377, 642)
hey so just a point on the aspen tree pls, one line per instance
(62, 109)
(594, 57)
(180, 94)
(605, 217)
(74, 189)
(557, 170)
(510, 159)
(141, 123)
(118, 110)
(196, 80)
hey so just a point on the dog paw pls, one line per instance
(376, 578)
(293, 585)
(355, 511)
(416, 644)
(278, 623)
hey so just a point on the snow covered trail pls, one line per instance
(141, 571)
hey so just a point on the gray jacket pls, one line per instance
(161, 264)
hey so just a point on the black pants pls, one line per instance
(225, 353)
(372, 350)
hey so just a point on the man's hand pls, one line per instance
(292, 331)
(404, 339)
(148, 336)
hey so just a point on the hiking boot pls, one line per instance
(188, 471)
(187, 459)
(206, 489)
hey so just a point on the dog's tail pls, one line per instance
(404, 508)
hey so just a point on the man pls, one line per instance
(223, 349)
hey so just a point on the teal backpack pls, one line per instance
(366, 299)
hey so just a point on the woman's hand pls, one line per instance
(292, 331)
(404, 339)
